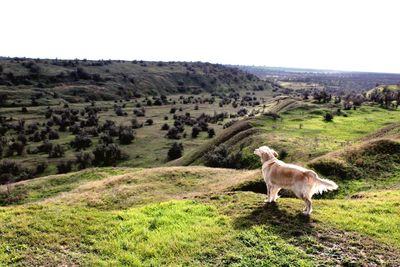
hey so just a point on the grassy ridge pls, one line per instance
(213, 227)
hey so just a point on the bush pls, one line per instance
(195, 131)
(149, 122)
(53, 135)
(136, 124)
(57, 151)
(41, 167)
(211, 132)
(173, 133)
(107, 155)
(126, 135)
(12, 171)
(106, 139)
(220, 157)
(328, 117)
(165, 127)
(64, 166)
(175, 151)
(81, 141)
(84, 159)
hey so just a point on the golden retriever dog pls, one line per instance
(278, 174)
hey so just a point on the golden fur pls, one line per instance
(303, 182)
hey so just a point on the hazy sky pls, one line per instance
(331, 34)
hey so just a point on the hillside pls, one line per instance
(188, 216)
(45, 81)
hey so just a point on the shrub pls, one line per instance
(12, 171)
(328, 117)
(173, 133)
(107, 155)
(41, 167)
(149, 122)
(81, 141)
(211, 132)
(106, 139)
(220, 157)
(84, 159)
(175, 151)
(195, 131)
(165, 127)
(126, 135)
(64, 166)
(135, 124)
(57, 151)
(45, 147)
(53, 135)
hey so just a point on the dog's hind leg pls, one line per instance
(275, 193)
(272, 193)
(308, 208)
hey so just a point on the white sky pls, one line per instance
(329, 34)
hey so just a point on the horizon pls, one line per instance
(333, 35)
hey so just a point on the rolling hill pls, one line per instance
(44, 80)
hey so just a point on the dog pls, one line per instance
(303, 182)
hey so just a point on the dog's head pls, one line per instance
(265, 153)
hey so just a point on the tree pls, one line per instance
(64, 166)
(81, 141)
(175, 151)
(126, 135)
(328, 117)
(57, 151)
(195, 131)
(84, 159)
(149, 121)
(165, 127)
(211, 132)
(173, 133)
(107, 155)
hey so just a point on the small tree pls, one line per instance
(211, 132)
(165, 127)
(64, 166)
(57, 151)
(126, 135)
(195, 131)
(84, 159)
(149, 122)
(175, 151)
(81, 141)
(328, 117)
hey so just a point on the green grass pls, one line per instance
(172, 233)
(130, 217)
(375, 214)
(305, 134)
(38, 189)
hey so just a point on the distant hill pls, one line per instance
(80, 80)
(331, 80)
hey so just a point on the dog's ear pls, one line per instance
(274, 153)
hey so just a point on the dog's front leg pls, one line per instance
(268, 193)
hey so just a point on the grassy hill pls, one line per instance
(46, 81)
(189, 216)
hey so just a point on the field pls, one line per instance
(117, 163)
(120, 219)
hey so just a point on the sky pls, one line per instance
(327, 34)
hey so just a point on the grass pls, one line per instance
(304, 132)
(374, 214)
(171, 233)
(186, 216)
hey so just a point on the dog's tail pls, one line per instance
(322, 185)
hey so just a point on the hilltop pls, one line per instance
(189, 216)
(48, 80)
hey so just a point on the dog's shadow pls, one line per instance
(281, 221)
